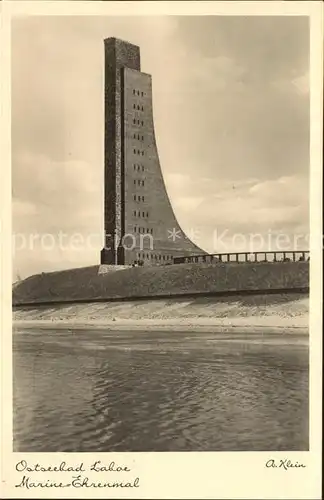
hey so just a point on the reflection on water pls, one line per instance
(159, 391)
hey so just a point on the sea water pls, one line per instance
(95, 390)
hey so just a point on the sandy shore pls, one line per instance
(250, 314)
(240, 325)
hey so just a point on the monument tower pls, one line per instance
(139, 222)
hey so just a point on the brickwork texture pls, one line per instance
(140, 224)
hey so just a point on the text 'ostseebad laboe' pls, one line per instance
(95, 475)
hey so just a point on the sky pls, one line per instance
(231, 111)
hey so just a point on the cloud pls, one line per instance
(285, 190)
(218, 74)
(63, 195)
(301, 84)
(270, 204)
(22, 208)
(187, 203)
(277, 206)
(231, 112)
(298, 85)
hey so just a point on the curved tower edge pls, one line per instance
(140, 223)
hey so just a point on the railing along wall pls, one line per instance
(245, 257)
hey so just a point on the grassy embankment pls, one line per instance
(285, 309)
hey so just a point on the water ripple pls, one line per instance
(149, 392)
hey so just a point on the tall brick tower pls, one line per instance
(139, 220)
